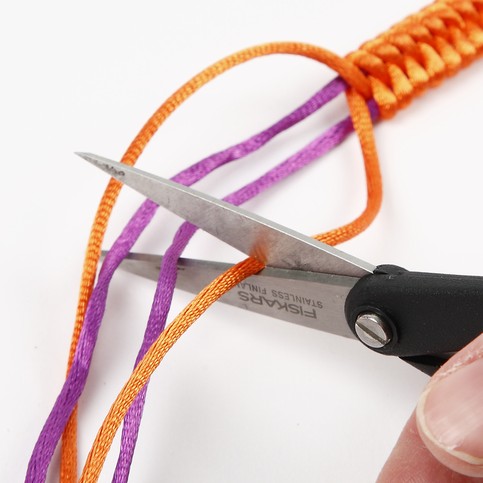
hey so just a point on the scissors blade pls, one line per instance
(272, 244)
(314, 300)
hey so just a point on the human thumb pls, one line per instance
(450, 412)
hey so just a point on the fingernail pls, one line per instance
(450, 412)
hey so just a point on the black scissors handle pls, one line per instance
(427, 316)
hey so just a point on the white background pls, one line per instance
(240, 397)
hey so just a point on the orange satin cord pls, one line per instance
(413, 55)
(351, 74)
(363, 127)
(210, 294)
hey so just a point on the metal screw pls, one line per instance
(372, 330)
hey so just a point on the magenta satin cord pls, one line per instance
(75, 381)
(168, 273)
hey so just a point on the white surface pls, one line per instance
(240, 398)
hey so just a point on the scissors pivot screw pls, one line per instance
(372, 330)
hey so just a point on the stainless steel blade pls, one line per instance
(268, 242)
(309, 299)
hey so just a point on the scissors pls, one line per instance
(423, 318)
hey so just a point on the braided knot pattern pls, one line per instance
(421, 51)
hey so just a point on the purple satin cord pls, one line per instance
(77, 376)
(168, 273)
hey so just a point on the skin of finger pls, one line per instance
(471, 352)
(467, 355)
(411, 462)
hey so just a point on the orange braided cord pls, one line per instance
(420, 51)
(345, 68)
(144, 370)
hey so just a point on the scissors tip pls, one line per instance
(113, 168)
(87, 156)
